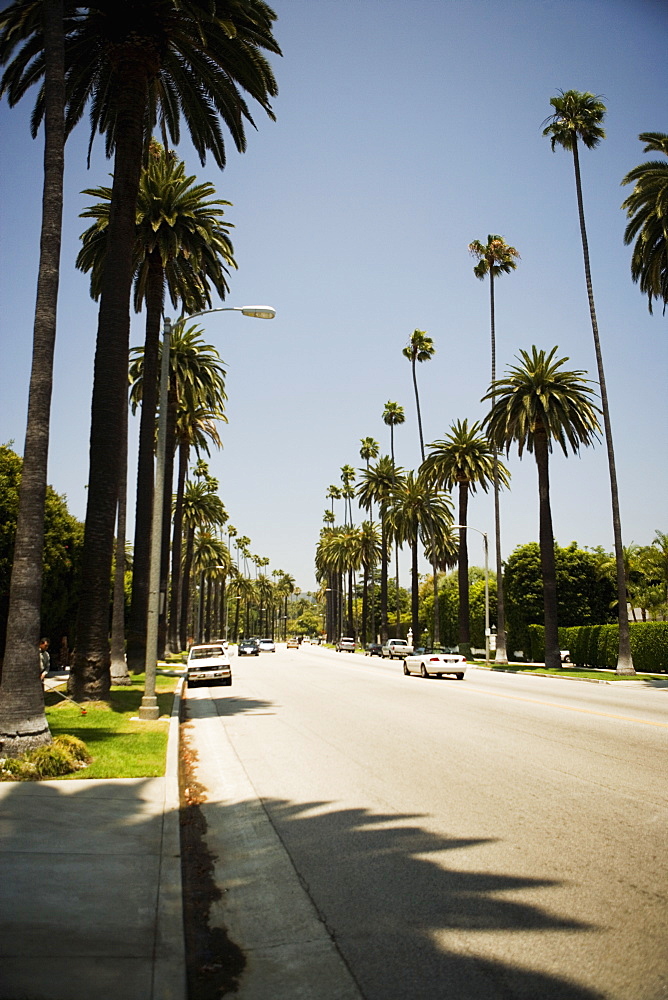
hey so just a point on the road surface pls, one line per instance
(498, 838)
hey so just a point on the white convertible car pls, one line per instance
(434, 662)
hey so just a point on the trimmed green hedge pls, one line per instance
(596, 646)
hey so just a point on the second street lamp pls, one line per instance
(465, 527)
(149, 706)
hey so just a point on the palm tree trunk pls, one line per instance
(463, 573)
(23, 723)
(501, 655)
(119, 668)
(167, 517)
(547, 562)
(624, 658)
(145, 468)
(185, 587)
(415, 586)
(384, 631)
(89, 676)
(365, 605)
(177, 539)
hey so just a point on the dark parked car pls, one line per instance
(249, 647)
(374, 649)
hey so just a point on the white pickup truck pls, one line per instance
(396, 648)
(208, 663)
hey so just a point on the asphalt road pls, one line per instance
(491, 839)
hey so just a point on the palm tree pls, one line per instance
(333, 493)
(369, 553)
(209, 552)
(193, 59)
(197, 384)
(464, 459)
(416, 512)
(420, 347)
(376, 486)
(202, 509)
(579, 116)
(23, 723)
(393, 414)
(647, 208)
(495, 258)
(369, 449)
(181, 243)
(536, 404)
(348, 491)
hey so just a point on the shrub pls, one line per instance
(596, 646)
(64, 755)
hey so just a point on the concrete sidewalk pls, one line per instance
(90, 888)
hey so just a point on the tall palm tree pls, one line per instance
(150, 62)
(376, 485)
(647, 208)
(369, 448)
(333, 493)
(369, 553)
(464, 459)
(579, 116)
(418, 513)
(202, 509)
(348, 491)
(194, 429)
(495, 258)
(182, 245)
(23, 723)
(393, 414)
(420, 348)
(537, 404)
(197, 383)
(209, 552)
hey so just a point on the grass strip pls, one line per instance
(120, 746)
(601, 675)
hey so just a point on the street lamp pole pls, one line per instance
(465, 527)
(148, 709)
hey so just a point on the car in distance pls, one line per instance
(346, 644)
(292, 643)
(373, 649)
(208, 663)
(434, 661)
(396, 649)
(249, 647)
(267, 646)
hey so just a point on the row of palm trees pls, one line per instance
(540, 403)
(149, 66)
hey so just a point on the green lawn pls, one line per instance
(119, 746)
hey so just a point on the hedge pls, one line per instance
(596, 646)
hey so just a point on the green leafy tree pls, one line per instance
(23, 722)
(61, 559)
(585, 595)
(537, 404)
(464, 460)
(647, 209)
(578, 117)
(495, 258)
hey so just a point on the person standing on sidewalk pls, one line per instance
(44, 659)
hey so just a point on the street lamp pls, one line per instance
(148, 709)
(465, 527)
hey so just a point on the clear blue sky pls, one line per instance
(404, 131)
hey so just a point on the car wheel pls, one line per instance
(460, 677)
(406, 670)
(423, 671)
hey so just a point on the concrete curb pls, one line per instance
(169, 969)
